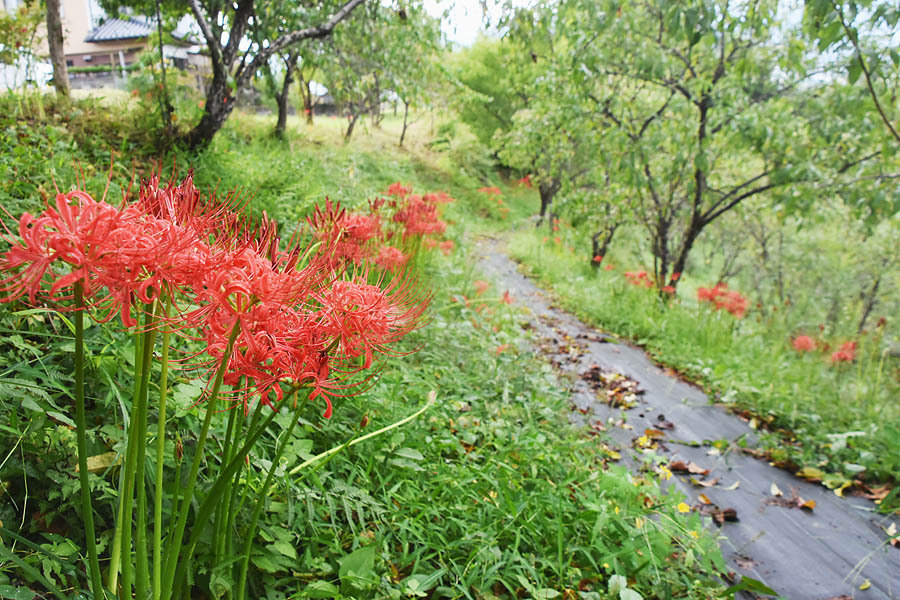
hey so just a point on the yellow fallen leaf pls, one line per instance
(892, 530)
(100, 462)
(704, 499)
(734, 485)
(839, 491)
(866, 585)
(807, 505)
(775, 491)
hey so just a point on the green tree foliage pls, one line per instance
(684, 111)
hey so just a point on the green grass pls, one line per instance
(489, 494)
(842, 419)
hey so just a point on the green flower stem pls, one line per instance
(160, 456)
(173, 559)
(121, 554)
(219, 519)
(250, 533)
(136, 452)
(87, 512)
(212, 498)
(142, 579)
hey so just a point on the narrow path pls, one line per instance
(826, 553)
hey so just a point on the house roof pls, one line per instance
(120, 29)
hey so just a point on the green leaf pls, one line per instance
(748, 584)
(358, 569)
(628, 594)
(8, 592)
(410, 453)
(853, 71)
(322, 589)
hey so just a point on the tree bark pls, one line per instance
(57, 55)
(547, 190)
(405, 122)
(600, 248)
(282, 98)
(219, 99)
(350, 126)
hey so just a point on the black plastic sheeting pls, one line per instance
(821, 554)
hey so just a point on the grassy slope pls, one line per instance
(489, 494)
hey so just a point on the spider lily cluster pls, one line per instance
(272, 321)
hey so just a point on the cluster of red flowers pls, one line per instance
(724, 299)
(845, 353)
(525, 181)
(301, 318)
(491, 191)
(639, 278)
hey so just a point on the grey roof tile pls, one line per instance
(120, 29)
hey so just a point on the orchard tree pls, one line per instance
(380, 55)
(235, 58)
(698, 101)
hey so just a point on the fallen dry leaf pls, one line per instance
(704, 499)
(865, 585)
(775, 491)
(734, 485)
(711, 483)
(100, 462)
(679, 466)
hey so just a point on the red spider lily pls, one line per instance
(301, 324)
(525, 181)
(803, 343)
(490, 191)
(724, 299)
(447, 247)
(390, 258)
(419, 217)
(506, 298)
(608, 267)
(501, 349)
(846, 353)
(639, 278)
(363, 319)
(430, 243)
(668, 289)
(597, 259)
(676, 276)
(398, 189)
(481, 286)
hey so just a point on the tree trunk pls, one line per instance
(405, 122)
(219, 105)
(55, 42)
(547, 190)
(600, 248)
(350, 127)
(282, 97)
(869, 300)
(165, 105)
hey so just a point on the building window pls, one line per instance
(87, 58)
(70, 63)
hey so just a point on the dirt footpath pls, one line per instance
(804, 551)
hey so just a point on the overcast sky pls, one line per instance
(466, 18)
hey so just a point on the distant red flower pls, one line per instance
(398, 189)
(501, 349)
(491, 191)
(557, 241)
(676, 275)
(525, 181)
(639, 278)
(481, 286)
(724, 299)
(597, 259)
(506, 298)
(668, 289)
(390, 258)
(803, 343)
(608, 267)
(447, 247)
